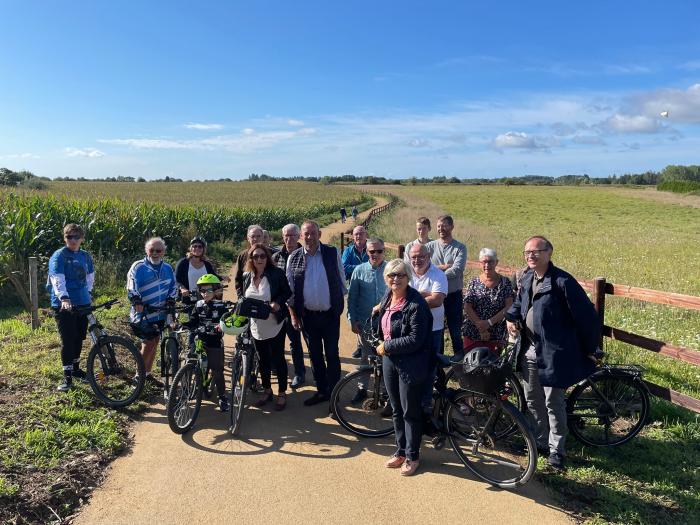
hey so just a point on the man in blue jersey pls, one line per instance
(70, 281)
(151, 282)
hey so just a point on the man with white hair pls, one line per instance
(254, 235)
(290, 239)
(151, 282)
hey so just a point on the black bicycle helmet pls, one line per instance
(198, 240)
(479, 357)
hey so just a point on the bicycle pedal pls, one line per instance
(438, 442)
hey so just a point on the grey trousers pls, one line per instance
(547, 406)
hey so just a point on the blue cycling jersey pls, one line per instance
(70, 274)
(153, 284)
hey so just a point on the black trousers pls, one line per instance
(295, 348)
(215, 358)
(322, 332)
(73, 329)
(407, 411)
(271, 353)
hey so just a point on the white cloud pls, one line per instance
(20, 156)
(418, 143)
(620, 123)
(682, 105)
(516, 140)
(295, 122)
(203, 127)
(588, 139)
(91, 153)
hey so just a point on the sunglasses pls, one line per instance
(372, 252)
(396, 275)
(206, 290)
(259, 256)
(73, 237)
(155, 250)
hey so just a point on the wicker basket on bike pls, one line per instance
(482, 371)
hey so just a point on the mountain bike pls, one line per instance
(243, 369)
(487, 432)
(114, 367)
(610, 406)
(189, 384)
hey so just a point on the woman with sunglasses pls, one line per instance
(192, 266)
(71, 277)
(263, 280)
(405, 325)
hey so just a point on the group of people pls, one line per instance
(414, 299)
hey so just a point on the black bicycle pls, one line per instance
(610, 406)
(243, 377)
(487, 432)
(114, 367)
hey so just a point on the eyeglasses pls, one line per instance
(372, 252)
(206, 290)
(259, 256)
(396, 275)
(534, 253)
(73, 237)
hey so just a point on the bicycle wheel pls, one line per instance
(254, 383)
(169, 361)
(115, 371)
(607, 410)
(185, 398)
(511, 391)
(362, 417)
(505, 461)
(240, 379)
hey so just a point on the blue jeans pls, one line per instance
(296, 349)
(438, 348)
(453, 314)
(406, 411)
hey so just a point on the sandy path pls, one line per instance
(296, 466)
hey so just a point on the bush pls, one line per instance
(679, 186)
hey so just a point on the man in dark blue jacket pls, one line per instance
(560, 332)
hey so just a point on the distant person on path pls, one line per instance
(367, 287)
(70, 281)
(354, 214)
(422, 229)
(431, 283)
(151, 282)
(343, 215)
(486, 302)
(290, 237)
(354, 255)
(266, 282)
(560, 331)
(254, 235)
(317, 280)
(450, 256)
(405, 326)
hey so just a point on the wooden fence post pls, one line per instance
(34, 292)
(342, 242)
(599, 303)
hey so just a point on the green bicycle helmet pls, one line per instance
(233, 324)
(208, 278)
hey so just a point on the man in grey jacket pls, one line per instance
(450, 256)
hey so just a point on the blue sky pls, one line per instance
(395, 89)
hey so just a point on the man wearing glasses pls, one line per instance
(151, 282)
(367, 287)
(317, 280)
(559, 332)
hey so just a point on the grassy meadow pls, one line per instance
(629, 237)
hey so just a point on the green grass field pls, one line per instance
(628, 238)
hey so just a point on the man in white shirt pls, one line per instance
(431, 282)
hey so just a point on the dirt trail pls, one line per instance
(296, 466)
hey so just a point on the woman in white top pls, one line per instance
(265, 281)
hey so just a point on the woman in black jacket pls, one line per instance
(405, 325)
(192, 266)
(264, 281)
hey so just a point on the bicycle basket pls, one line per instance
(482, 371)
(254, 308)
(233, 324)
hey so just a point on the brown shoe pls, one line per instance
(281, 402)
(409, 467)
(264, 400)
(395, 461)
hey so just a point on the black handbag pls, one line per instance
(253, 308)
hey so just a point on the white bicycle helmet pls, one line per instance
(233, 324)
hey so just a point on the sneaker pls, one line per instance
(409, 467)
(556, 461)
(298, 381)
(150, 378)
(65, 385)
(223, 404)
(315, 399)
(357, 353)
(80, 374)
(360, 395)
(395, 461)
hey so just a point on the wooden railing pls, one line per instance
(372, 214)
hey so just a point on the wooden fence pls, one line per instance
(372, 214)
(599, 289)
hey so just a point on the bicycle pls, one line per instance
(610, 406)
(487, 432)
(189, 384)
(243, 366)
(114, 367)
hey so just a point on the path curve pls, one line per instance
(296, 466)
